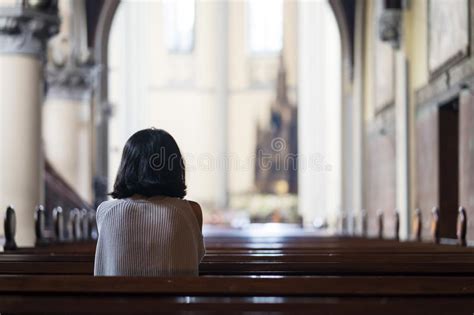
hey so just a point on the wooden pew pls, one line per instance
(80, 228)
(387, 285)
(283, 263)
(309, 256)
(461, 229)
(232, 243)
(232, 295)
(9, 228)
(272, 246)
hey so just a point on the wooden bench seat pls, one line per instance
(282, 275)
(217, 295)
(319, 264)
(280, 248)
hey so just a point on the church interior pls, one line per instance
(329, 143)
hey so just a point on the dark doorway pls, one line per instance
(448, 168)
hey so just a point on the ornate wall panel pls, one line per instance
(380, 181)
(427, 165)
(384, 66)
(448, 33)
(466, 157)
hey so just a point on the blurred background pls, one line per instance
(223, 79)
(315, 115)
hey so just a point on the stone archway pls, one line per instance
(101, 100)
(342, 12)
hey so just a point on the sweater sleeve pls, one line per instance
(202, 248)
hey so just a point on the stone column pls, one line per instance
(24, 32)
(402, 148)
(357, 121)
(319, 114)
(311, 100)
(222, 97)
(67, 126)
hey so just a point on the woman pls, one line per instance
(149, 229)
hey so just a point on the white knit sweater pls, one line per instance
(159, 236)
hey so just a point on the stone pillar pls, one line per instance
(67, 127)
(319, 114)
(402, 148)
(357, 121)
(24, 32)
(222, 95)
(311, 101)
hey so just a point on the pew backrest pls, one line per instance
(380, 224)
(417, 225)
(435, 225)
(59, 224)
(10, 229)
(461, 230)
(40, 223)
(397, 225)
(364, 223)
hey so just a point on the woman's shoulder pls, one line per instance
(195, 207)
(105, 206)
(183, 203)
(197, 211)
(192, 207)
(108, 204)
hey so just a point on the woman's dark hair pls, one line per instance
(151, 165)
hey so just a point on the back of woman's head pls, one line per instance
(151, 165)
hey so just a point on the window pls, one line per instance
(179, 21)
(265, 26)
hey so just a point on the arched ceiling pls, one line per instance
(345, 16)
(93, 11)
(344, 10)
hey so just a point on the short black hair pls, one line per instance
(151, 165)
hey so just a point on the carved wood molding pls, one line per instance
(26, 31)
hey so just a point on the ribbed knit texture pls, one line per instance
(159, 236)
